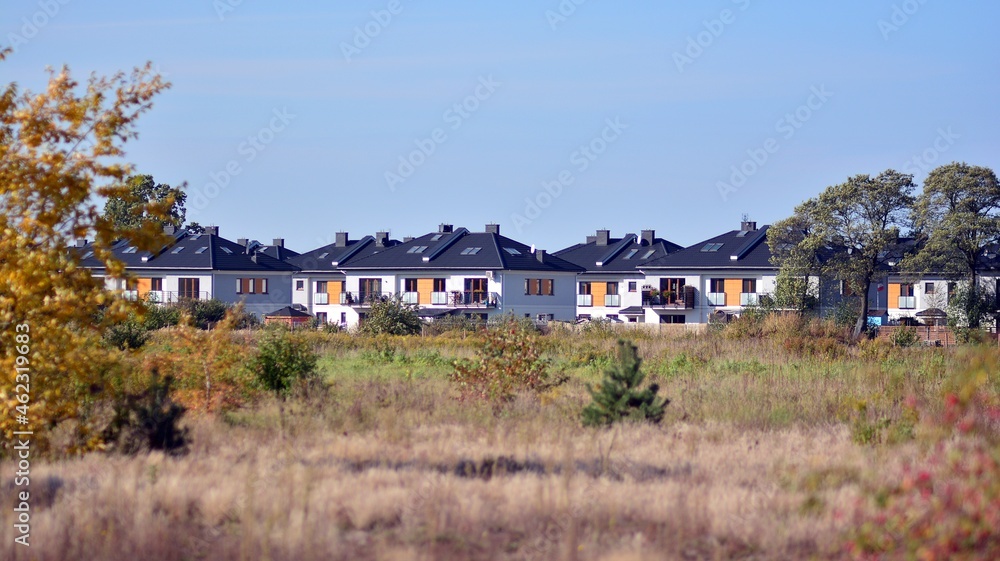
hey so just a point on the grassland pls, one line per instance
(770, 447)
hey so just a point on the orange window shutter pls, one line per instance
(144, 286)
(894, 290)
(547, 287)
(733, 288)
(424, 289)
(599, 290)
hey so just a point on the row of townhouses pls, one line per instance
(455, 271)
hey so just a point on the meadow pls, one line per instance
(783, 442)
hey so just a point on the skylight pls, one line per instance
(130, 249)
(631, 254)
(178, 249)
(512, 251)
(436, 237)
(227, 250)
(471, 250)
(201, 250)
(417, 249)
(88, 255)
(649, 254)
(195, 236)
(711, 247)
(323, 255)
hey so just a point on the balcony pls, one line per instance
(474, 299)
(439, 298)
(411, 298)
(164, 296)
(749, 299)
(362, 299)
(612, 300)
(907, 302)
(716, 298)
(321, 298)
(586, 300)
(685, 300)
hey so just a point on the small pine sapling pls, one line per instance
(619, 396)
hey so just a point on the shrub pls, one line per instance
(149, 420)
(508, 362)
(203, 313)
(904, 337)
(282, 359)
(390, 316)
(619, 397)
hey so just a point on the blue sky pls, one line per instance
(552, 118)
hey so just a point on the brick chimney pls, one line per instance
(278, 242)
(648, 236)
(493, 229)
(341, 238)
(603, 236)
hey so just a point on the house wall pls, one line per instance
(562, 304)
(732, 288)
(599, 284)
(279, 291)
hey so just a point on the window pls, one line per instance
(749, 286)
(632, 286)
(717, 292)
(717, 285)
(343, 318)
(475, 291)
(321, 318)
(409, 285)
(227, 250)
(178, 249)
(584, 295)
(471, 250)
(156, 284)
(130, 249)
(539, 287)
(845, 288)
(612, 288)
(649, 254)
(672, 290)
(251, 286)
(439, 285)
(906, 289)
(370, 288)
(906, 299)
(323, 255)
(631, 254)
(512, 251)
(300, 285)
(262, 286)
(672, 318)
(545, 318)
(928, 288)
(201, 250)
(584, 288)
(711, 247)
(435, 237)
(417, 249)
(321, 286)
(188, 287)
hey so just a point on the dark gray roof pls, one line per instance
(322, 259)
(621, 255)
(632, 311)
(278, 252)
(288, 312)
(736, 249)
(458, 250)
(187, 251)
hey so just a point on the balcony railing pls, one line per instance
(363, 298)
(612, 300)
(439, 298)
(322, 298)
(749, 299)
(164, 296)
(474, 299)
(584, 299)
(907, 302)
(411, 298)
(716, 298)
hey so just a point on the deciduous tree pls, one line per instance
(129, 210)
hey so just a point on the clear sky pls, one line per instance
(399, 115)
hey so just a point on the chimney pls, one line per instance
(242, 241)
(603, 236)
(211, 230)
(591, 239)
(493, 229)
(446, 229)
(278, 242)
(407, 239)
(748, 226)
(81, 242)
(540, 255)
(381, 239)
(169, 229)
(341, 238)
(648, 236)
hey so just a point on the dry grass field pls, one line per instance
(769, 450)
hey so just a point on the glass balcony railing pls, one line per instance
(612, 300)
(584, 299)
(716, 298)
(907, 302)
(322, 298)
(749, 299)
(439, 298)
(411, 298)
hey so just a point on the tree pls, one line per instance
(850, 232)
(619, 397)
(509, 362)
(58, 149)
(390, 316)
(957, 217)
(129, 209)
(281, 360)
